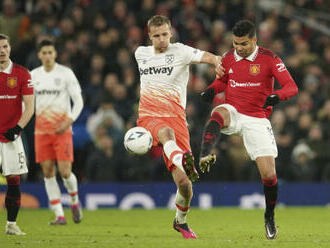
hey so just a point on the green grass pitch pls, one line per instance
(218, 227)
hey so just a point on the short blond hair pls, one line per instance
(158, 20)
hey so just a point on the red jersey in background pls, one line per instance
(14, 83)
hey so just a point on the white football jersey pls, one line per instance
(53, 91)
(164, 78)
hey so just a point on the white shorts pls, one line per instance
(257, 133)
(12, 158)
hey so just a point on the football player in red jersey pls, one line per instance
(15, 88)
(248, 84)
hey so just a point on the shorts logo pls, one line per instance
(254, 69)
(12, 82)
(169, 58)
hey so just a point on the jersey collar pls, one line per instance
(55, 65)
(9, 68)
(251, 57)
(153, 49)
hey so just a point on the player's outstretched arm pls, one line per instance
(211, 59)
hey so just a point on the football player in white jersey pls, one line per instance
(55, 85)
(164, 74)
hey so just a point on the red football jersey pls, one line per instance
(14, 83)
(248, 81)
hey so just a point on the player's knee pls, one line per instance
(224, 113)
(48, 172)
(165, 134)
(65, 173)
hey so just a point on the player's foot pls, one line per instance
(270, 227)
(76, 213)
(206, 162)
(185, 230)
(60, 220)
(13, 229)
(189, 167)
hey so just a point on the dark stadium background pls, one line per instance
(97, 39)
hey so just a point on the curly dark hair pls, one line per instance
(243, 28)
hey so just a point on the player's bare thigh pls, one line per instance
(48, 168)
(225, 115)
(266, 166)
(165, 134)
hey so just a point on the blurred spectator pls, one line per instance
(303, 168)
(101, 165)
(13, 24)
(323, 116)
(109, 119)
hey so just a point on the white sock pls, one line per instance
(182, 208)
(171, 147)
(11, 222)
(71, 185)
(54, 195)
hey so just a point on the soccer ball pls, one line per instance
(138, 140)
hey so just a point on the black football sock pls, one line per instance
(13, 198)
(211, 133)
(271, 194)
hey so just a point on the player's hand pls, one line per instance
(219, 70)
(12, 133)
(272, 100)
(208, 95)
(64, 126)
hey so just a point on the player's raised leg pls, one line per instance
(53, 192)
(13, 203)
(182, 203)
(183, 160)
(267, 170)
(219, 118)
(71, 185)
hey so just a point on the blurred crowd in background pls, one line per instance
(97, 39)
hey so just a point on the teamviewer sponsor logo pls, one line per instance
(7, 97)
(156, 70)
(234, 84)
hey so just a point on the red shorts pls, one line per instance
(53, 147)
(179, 125)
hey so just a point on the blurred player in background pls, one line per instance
(55, 85)
(249, 99)
(15, 88)
(164, 73)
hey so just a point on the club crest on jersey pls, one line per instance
(254, 69)
(12, 82)
(169, 58)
